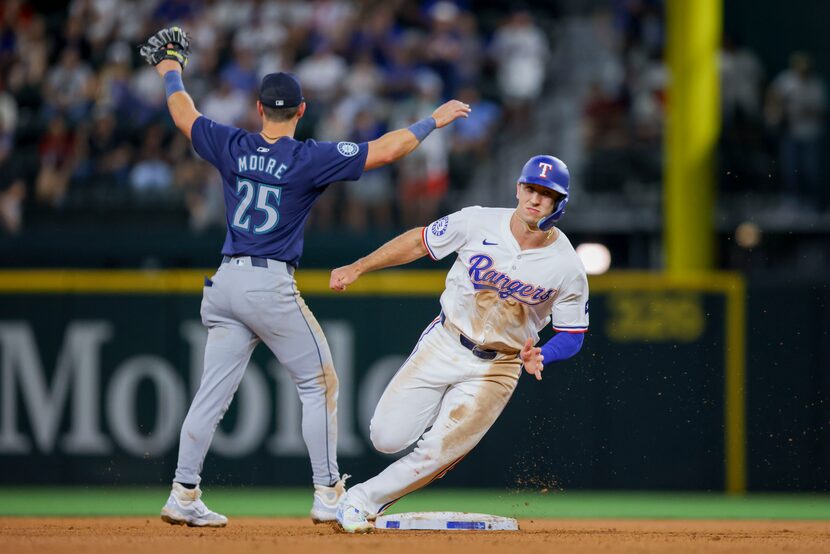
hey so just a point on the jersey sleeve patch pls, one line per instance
(439, 227)
(330, 162)
(348, 149)
(447, 234)
(426, 244)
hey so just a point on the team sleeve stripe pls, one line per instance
(571, 329)
(426, 244)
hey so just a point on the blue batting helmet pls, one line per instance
(552, 173)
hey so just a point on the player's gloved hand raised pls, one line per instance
(532, 359)
(167, 44)
(343, 277)
(450, 111)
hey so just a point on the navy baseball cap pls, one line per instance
(280, 90)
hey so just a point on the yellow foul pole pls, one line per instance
(692, 129)
(693, 126)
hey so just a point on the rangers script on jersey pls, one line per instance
(499, 295)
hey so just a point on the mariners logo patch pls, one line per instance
(348, 149)
(440, 227)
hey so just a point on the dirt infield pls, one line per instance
(152, 536)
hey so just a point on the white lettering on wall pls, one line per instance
(77, 368)
(121, 405)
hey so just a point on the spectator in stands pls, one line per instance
(402, 70)
(741, 78)
(742, 152)
(471, 141)
(8, 35)
(8, 116)
(57, 159)
(646, 82)
(241, 72)
(114, 82)
(423, 176)
(12, 195)
(376, 35)
(69, 87)
(149, 101)
(471, 48)
(152, 174)
(32, 49)
(201, 74)
(364, 81)
(520, 50)
(796, 105)
(12, 187)
(74, 37)
(267, 40)
(107, 152)
(322, 74)
(604, 120)
(442, 48)
(225, 104)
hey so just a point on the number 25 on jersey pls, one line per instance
(267, 200)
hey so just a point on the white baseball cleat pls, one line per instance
(352, 519)
(185, 507)
(326, 500)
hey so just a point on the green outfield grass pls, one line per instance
(45, 501)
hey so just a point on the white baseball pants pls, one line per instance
(442, 385)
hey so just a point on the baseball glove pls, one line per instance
(167, 44)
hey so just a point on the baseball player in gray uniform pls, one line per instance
(270, 182)
(514, 274)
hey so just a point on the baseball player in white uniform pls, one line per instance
(514, 273)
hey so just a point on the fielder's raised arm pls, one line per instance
(168, 51)
(394, 145)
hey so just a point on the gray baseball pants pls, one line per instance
(242, 304)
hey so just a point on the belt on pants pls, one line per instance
(256, 261)
(473, 347)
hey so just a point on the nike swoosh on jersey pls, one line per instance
(485, 243)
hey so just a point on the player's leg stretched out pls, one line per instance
(443, 385)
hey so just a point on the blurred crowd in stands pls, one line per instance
(85, 125)
(84, 128)
(772, 125)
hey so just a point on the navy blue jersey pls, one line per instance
(269, 188)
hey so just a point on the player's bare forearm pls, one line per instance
(394, 145)
(401, 250)
(181, 106)
(390, 148)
